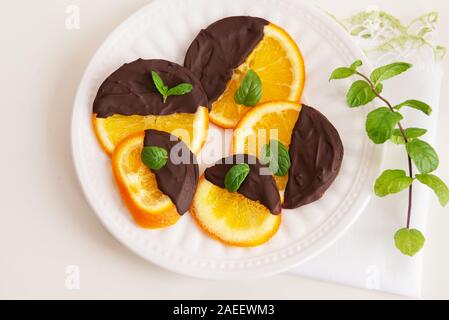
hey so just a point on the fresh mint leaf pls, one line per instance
(342, 73)
(275, 155)
(415, 104)
(154, 157)
(356, 64)
(159, 83)
(397, 138)
(250, 91)
(360, 93)
(389, 71)
(437, 185)
(410, 133)
(380, 124)
(391, 181)
(178, 90)
(409, 241)
(423, 155)
(235, 176)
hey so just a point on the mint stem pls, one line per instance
(401, 128)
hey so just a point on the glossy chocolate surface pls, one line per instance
(178, 179)
(130, 90)
(316, 154)
(220, 48)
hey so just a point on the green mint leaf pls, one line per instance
(391, 181)
(380, 124)
(356, 64)
(389, 71)
(397, 138)
(413, 133)
(180, 89)
(359, 94)
(235, 176)
(159, 83)
(437, 185)
(379, 87)
(154, 157)
(409, 241)
(250, 91)
(341, 73)
(275, 155)
(410, 133)
(415, 104)
(423, 155)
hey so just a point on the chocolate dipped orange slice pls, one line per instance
(155, 198)
(246, 217)
(223, 53)
(128, 102)
(315, 150)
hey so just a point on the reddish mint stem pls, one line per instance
(401, 128)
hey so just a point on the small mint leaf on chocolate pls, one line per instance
(275, 155)
(159, 83)
(235, 176)
(154, 158)
(179, 90)
(250, 91)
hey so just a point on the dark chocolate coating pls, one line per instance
(130, 90)
(177, 180)
(256, 186)
(220, 48)
(316, 154)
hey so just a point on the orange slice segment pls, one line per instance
(278, 62)
(271, 120)
(190, 128)
(231, 217)
(149, 207)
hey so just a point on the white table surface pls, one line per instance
(46, 224)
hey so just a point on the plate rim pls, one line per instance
(264, 271)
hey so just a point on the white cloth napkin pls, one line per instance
(365, 256)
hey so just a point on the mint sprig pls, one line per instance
(179, 90)
(383, 124)
(250, 91)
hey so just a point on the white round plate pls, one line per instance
(164, 29)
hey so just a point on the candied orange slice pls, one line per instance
(189, 127)
(137, 184)
(231, 217)
(272, 120)
(278, 62)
